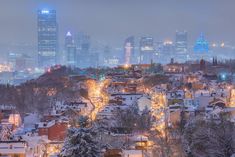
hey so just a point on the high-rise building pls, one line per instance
(181, 42)
(20, 61)
(70, 50)
(129, 50)
(47, 38)
(146, 50)
(83, 43)
(201, 45)
(168, 48)
(106, 55)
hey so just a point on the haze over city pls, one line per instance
(111, 21)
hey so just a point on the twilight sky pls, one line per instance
(111, 21)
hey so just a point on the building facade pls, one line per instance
(201, 45)
(129, 50)
(146, 50)
(70, 50)
(83, 43)
(47, 38)
(181, 42)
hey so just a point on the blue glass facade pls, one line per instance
(201, 45)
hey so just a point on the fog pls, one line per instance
(111, 21)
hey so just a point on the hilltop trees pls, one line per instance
(40, 94)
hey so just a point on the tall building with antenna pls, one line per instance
(70, 50)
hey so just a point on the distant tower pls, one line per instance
(106, 54)
(168, 48)
(214, 62)
(47, 38)
(83, 43)
(129, 50)
(70, 49)
(146, 50)
(181, 42)
(201, 45)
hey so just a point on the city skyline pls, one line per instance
(108, 21)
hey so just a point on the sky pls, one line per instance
(111, 21)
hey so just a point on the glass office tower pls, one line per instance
(47, 38)
(146, 50)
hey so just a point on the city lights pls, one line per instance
(117, 78)
(45, 11)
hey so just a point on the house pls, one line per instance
(132, 153)
(13, 148)
(30, 120)
(55, 130)
(175, 68)
(113, 153)
(127, 98)
(123, 153)
(143, 103)
(77, 106)
(110, 111)
(15, 119)
(8, 115)
(215, 103)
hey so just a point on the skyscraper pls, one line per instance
(70, 50)
(47, 38)
(201, 45)
(83, 43)
(181, 42)
(146, 50)
(106, 55)
(168, 48)
(129, 50)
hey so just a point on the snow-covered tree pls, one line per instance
(81, 142)
(210, 138)
(5, 133)
(132, 119)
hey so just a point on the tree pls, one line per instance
(162, 145)
(80, 142)
(132, 119)
(182, 122)
(209, 138)
(126, 119)
(144, 121)
(5, 133)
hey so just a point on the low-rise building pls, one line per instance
(13, 148)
